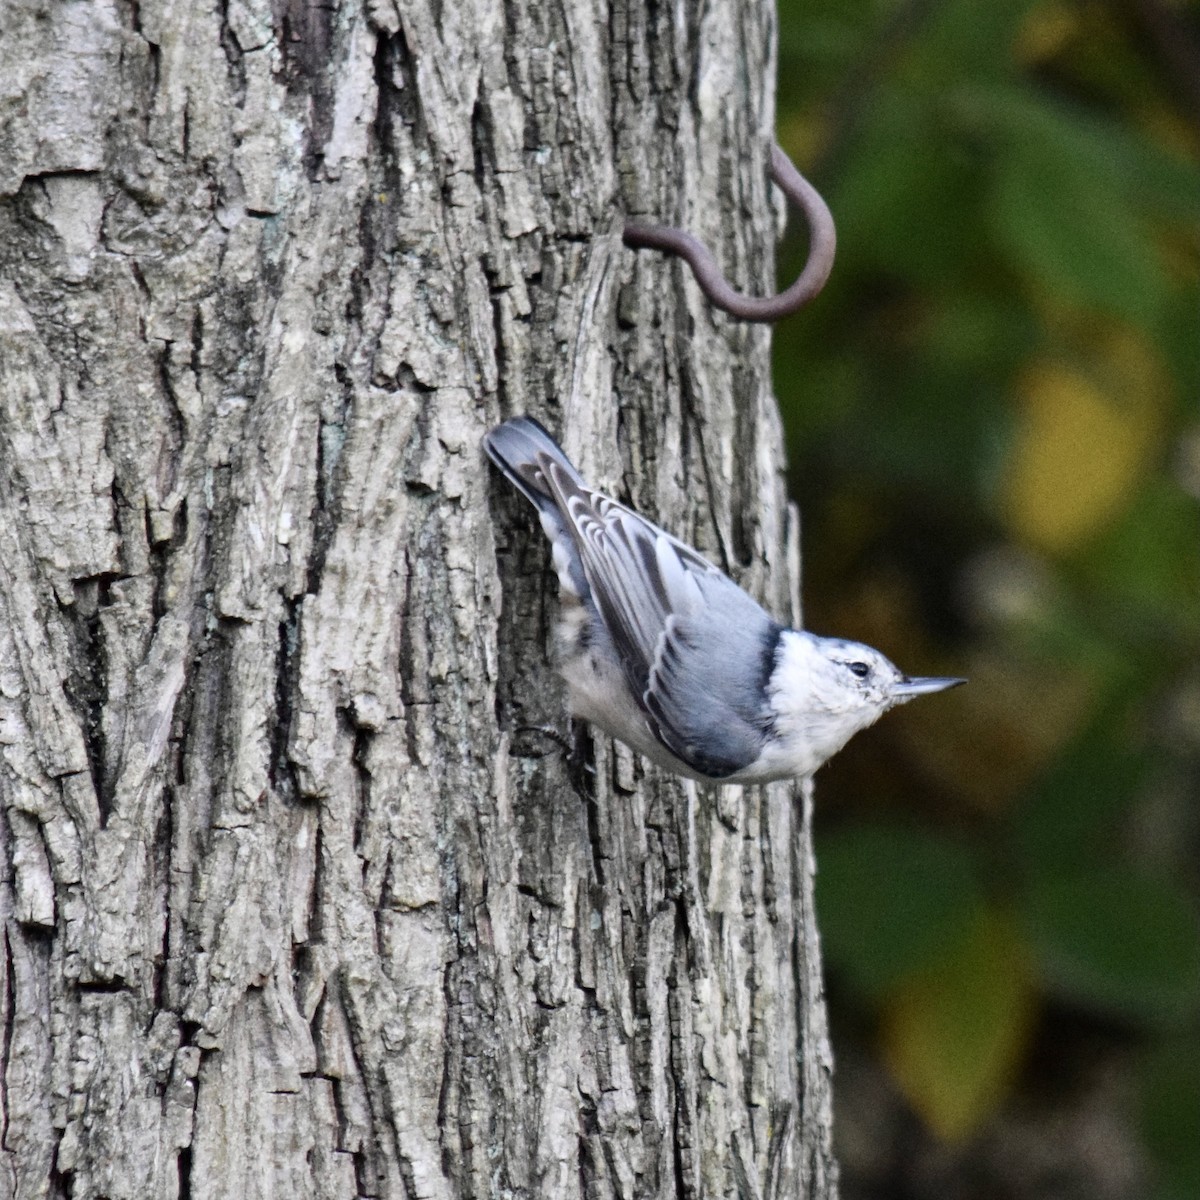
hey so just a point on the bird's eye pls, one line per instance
(860, 669)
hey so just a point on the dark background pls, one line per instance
(994, 439)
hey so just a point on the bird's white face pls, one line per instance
(825, 690)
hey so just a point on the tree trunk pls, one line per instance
(293, 905)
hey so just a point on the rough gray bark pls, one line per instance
(292, 907)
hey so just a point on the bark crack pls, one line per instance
(10, 1012)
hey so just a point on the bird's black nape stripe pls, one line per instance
(772, 649)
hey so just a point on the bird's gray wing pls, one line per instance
(695, 649)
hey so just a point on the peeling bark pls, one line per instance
(293, 904)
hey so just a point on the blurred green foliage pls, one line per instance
(994, 435)
(893, 901)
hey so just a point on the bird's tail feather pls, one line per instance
(523, 450)
(515, 446)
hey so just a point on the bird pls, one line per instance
(663, 651)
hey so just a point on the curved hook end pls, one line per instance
(822, 246)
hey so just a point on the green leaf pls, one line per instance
(1118, 942)
(1148, 568)
(901, 210)
(1069, 817)
(1064, 206)
(1125, 160)
(1170, 1116)
(829, 34)
(1180, 345)
(1070, 238)
(891, 900)
(963, 39)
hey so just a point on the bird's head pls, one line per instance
(824, 690)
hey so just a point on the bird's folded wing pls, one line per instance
(695, 649)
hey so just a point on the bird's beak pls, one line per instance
(907, 688)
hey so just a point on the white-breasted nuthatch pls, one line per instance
(665, 652)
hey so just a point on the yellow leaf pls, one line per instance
(1085, 441)
(1046, 31)
(954, 1034)
(804, 135)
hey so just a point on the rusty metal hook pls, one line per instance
(822, 243)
